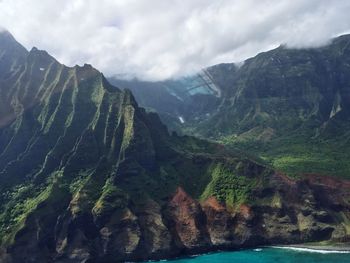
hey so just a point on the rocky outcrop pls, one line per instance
(283, 212)
(187, 221)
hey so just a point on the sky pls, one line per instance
(160, 39)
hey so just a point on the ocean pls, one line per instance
(270, 255)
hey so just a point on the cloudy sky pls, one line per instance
(157, 39)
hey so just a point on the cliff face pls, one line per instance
(288, 106)
(88, 176)
(282, 89)
(285, 90)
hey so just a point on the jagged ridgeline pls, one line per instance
(88, 176)
(289, 106)
(79, 162)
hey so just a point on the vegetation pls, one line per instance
(229, 187)
(111, 199)
(27, 200)
(296, 155)
(78, 150)
(289, 107)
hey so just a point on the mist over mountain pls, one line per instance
(86, 175)
(165, 39)
(288, 106)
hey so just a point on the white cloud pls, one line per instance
(156, 39)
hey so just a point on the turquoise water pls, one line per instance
(269, 255)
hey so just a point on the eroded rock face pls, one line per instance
(293, 212)
(220, 222)
(187, 221)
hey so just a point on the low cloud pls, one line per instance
(158, 39)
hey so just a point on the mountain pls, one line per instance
(288, 106)
(86, 175)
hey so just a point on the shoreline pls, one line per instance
(338, 248)
(325, 248)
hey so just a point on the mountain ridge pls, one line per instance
(86, 175)
(271, 99)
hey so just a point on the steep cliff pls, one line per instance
(288, 106)
(88, 176)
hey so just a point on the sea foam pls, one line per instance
(313, 250)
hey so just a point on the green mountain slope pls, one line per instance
(288, 106)
(291, 107)
(77, 154)
(88, 176)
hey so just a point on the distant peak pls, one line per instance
(10, 46)
(87, 65)
(344, 37)
(35, 50)
(6, 35)
(4, 31)
(38, 52)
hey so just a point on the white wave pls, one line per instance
(258, 249)
(314, 250)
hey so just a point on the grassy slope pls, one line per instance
(296, 154)
(284, 110)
